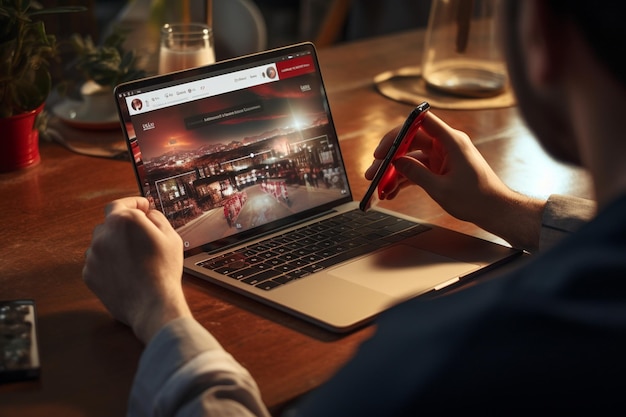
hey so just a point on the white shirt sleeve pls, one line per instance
(184, 371)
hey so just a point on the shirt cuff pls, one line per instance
(563, 215)
(180, 352)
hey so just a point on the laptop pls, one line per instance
(243, 159)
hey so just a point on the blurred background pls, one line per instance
(236, 24)
(287, 21)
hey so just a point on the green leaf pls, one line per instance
(57, 10)
(25, 49)
(32, 90)
(107, 64)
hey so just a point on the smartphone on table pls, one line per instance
(386, 171)
(19, 350)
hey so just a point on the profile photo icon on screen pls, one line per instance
(271, 73)
(136, 104)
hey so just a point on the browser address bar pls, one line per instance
(195, 90)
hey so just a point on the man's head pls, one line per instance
(602, 26)
(544, 42)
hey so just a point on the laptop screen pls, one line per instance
(237, 148)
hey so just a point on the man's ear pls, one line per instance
(543, 36)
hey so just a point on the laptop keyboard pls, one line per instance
(299, 253)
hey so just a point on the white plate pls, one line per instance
(72, 112)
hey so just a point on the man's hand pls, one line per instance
(134, 265)
(447, 165)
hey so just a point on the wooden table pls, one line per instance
(49, 211)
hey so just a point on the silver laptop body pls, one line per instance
(243, 158)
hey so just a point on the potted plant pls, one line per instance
(25, 82)
(103, 67)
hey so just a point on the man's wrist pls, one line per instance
(516, 218)
(525, 219)
(154, 320)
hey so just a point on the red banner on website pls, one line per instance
(295, 67)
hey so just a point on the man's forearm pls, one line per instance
(185, 371)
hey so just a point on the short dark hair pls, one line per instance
(603, 26)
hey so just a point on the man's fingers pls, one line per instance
(436, 128)
(415, 171)
(160, 221)
(371, 171)
(432, 128)
(138, 203)
(385, 143)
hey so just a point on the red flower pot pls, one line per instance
(19, 141)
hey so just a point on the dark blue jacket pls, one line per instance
(548, 336)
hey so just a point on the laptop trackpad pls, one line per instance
(402, 271)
